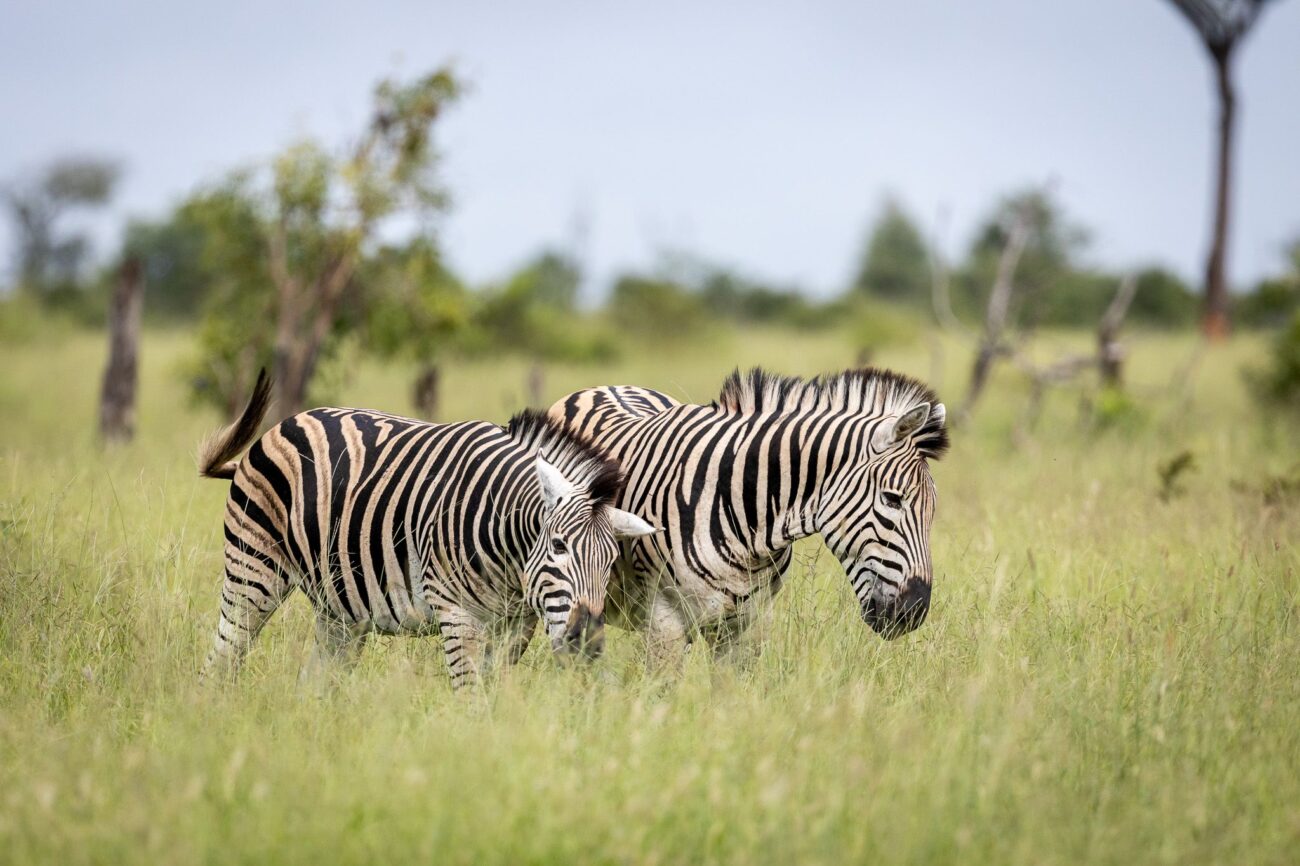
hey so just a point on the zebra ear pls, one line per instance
(553, 483)
(894, 430)
(628, 525)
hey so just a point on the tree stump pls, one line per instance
(427, 386)
(117, 398)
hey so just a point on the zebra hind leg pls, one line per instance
(249, 595)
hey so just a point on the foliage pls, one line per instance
(534, 314)
(306, 223)
(1275, 300)
(413, 305)
(730, 296)
(1162, 300)
(1277, 384)
(1171, 473)
(1113, 408)
(895, 265)
(875, 325)
(50, 262)
(177, 277)
(656, 308)
(1049, 287)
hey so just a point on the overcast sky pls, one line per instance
(762, 136)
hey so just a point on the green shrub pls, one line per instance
(1277, 385)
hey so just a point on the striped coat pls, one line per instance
(397, 526)
(736, 482)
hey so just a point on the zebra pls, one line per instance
(736, 482)
(399, 526)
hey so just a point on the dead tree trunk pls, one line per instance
(1214, 323)
(117, 397)
(1110, 352)
(304, 317)
(995, 319)
(427, 388)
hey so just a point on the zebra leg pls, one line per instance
(338, 646)
(739, 640)
(252, 591)
(465, 641)
(667, 639)
(514, 640)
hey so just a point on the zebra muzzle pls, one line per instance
(584, 633)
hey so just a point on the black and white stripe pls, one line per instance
(772, 460)
(397, 526)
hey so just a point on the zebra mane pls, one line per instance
(865, 391)
(581, 462)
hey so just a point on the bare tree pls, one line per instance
(44, 257)
(117, 398)
(995, 318)
(1222, 25)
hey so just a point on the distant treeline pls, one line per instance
(281, 264)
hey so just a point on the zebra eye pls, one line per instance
(558, 547)
(891, 499)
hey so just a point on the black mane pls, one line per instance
(864, 391)
(582, 462)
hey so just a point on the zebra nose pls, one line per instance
(910, 608)
(585, 632)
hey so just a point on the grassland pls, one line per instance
(1105, 677)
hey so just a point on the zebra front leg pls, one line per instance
(514, 638)
(252, 591)
(465, 641)
(338, 646)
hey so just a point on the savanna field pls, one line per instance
(1110, 672)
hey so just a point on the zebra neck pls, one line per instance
(517, 521)
(770, 495)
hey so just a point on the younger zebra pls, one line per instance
(402, 527)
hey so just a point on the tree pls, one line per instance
(1276, 299)
(1222, 26)
(170, 252)
(895, 264)
(415, 308)
(658, 308)
(237, 328)
(314, 214)
(47, 259)
(534, 314)
(1044, 268)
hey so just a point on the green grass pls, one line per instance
(1105, 677)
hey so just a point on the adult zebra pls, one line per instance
(402, 527)
(735, 483)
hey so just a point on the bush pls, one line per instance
(1271, 305)
(1162, 300)
(1278, 384)
(657, 308)
(875, 325)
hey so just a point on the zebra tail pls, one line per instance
(218, 452)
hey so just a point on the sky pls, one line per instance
(761, 136)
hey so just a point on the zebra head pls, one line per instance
(877, 515)
(568, 569)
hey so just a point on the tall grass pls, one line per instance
(1105, 676)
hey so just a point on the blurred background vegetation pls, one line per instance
(293, 264)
